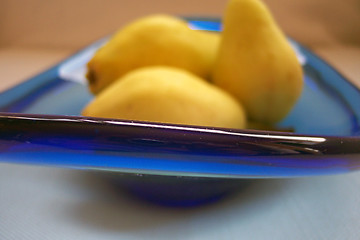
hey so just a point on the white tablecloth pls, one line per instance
(38, 203)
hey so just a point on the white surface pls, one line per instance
(47, 203)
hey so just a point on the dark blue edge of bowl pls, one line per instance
(144, 147)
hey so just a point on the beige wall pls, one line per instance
(73, 24)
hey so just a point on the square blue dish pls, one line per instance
(41, 124)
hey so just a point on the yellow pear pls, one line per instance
(256, 63)
(168, 95)
(149, 41)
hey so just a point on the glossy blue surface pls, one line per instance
(149, 148)
(325, 120)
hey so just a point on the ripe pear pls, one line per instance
(256, 63)
(149, 41)
(169, 95)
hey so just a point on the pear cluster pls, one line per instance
(158, 69)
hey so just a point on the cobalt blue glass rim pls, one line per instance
(145, 147)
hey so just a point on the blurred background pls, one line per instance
(73, 24)
(35, 34)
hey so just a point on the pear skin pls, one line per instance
(168, 95)
(149, 41)
(256, 63)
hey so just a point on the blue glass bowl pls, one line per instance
(179, 164)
